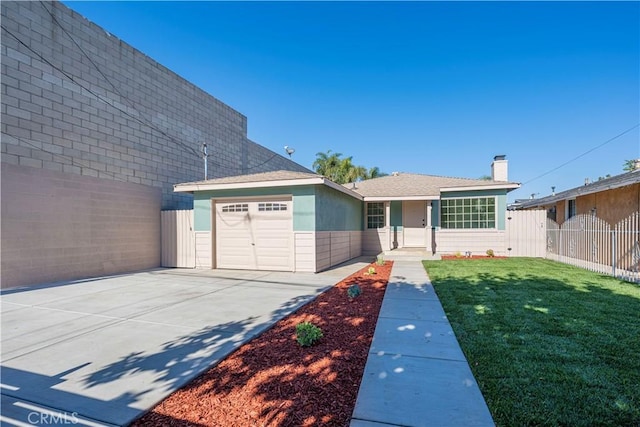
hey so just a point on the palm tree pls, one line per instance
(349, 172)
(327, 164)
(342, 171)
(629, 165)
(373, 172)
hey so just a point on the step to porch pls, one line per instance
(409, 254)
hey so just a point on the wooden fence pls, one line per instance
(589, 242)
(178, 239)
(585, 241)
(525, 233)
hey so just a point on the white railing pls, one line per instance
(589, 242)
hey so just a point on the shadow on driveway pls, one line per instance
(108, 350)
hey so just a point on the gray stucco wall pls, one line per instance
(80, 102)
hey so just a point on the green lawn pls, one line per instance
(549, 344)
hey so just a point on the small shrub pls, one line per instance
(353, 291)
(370, 271)
(380, 260)
(307, 334)
(458, 254)
(490, 253)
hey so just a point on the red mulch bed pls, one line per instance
(272, 381)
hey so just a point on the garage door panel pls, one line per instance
(254, 235)
(277, 244)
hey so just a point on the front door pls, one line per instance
(414, 223)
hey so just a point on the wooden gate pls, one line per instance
(526, 233)
(178, 239)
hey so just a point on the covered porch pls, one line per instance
(400, 225)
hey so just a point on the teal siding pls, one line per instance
(304, 208)
(396, 220)
(396, 213)
(336, 211)
(501, 202)
(501, 206)
(201, 213)
(303, 204)
(435, 213)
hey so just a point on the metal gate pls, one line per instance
(589, 242)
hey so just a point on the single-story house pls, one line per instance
(297, 221)
(611, 199)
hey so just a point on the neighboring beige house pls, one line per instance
(611, 199)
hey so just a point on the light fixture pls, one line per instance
(204, 157)
(289, 150)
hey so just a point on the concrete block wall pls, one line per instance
(58, 226)
(77, 100)
(81, 101)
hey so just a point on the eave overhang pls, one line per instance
(192, 187)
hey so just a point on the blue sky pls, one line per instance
(424, 87)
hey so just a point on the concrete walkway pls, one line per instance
(416, 373)
(101, 352)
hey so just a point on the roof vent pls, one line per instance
(500, 157)
(395, 173)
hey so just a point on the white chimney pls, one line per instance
(499, 169)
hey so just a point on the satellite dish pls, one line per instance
(289, 150)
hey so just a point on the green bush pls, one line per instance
(307, 334)
(353, 291)
(370, 271)
(490, 253)
(380, 260)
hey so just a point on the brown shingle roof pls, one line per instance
(402, 185)
(416, 185)
(622, 180)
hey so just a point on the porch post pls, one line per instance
(387, 224)
(427, 226)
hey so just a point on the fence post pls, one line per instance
(560, 247)
(613, 252)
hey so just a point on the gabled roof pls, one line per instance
(408, 186)
(258, 177)
(401, 186)
(617, 181)
(281, 178)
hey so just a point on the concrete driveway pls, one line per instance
(103, 351)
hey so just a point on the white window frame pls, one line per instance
(464, 219)
(378, 216)
(567, 209)
(235, 207)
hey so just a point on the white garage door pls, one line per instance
(254, 234)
